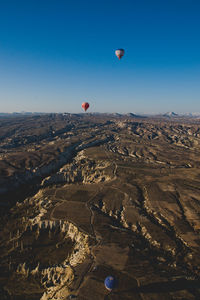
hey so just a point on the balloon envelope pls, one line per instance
(119, 53)
(85, 105)
(110, 282)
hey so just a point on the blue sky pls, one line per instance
(56, 54)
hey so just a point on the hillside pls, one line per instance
(87, 196)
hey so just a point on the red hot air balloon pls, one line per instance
(119, 53)
(85, 105)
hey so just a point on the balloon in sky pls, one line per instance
(110, 283)
(119, 53)
(85, 105)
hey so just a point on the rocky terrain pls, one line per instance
(87, 196)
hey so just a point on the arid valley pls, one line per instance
(84, 196)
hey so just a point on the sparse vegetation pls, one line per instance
(87, 196)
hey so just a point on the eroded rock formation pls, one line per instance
(83, 197)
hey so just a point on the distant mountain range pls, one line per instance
(175, 115)
(128, 115)
(195, 114)
(2, 114)
(170, 114)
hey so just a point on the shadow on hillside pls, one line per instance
(165, 287)
(169, 286)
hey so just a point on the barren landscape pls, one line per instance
(84, 196)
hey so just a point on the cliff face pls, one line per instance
(81, 170)
(92, 197)
(42, 251)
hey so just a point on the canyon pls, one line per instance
(85, 196)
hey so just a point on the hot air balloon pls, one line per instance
(85, 105)
(110, 283)
(119, 53)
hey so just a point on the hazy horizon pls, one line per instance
(97, 112)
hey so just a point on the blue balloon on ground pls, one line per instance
(110, 283)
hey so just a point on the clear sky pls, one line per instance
(56, 54)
